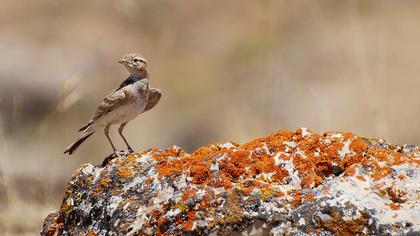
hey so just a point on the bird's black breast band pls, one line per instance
(130, 80)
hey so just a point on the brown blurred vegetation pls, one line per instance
(229, 70)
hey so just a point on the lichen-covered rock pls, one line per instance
(293, 183)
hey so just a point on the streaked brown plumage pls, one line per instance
(131, 98)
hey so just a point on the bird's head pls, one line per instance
(135, 63)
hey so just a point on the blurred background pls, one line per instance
(228, 70)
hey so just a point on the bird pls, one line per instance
(133, 97)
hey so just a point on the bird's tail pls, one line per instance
(83, 136)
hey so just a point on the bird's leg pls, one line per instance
(120, 130)
(106, 131)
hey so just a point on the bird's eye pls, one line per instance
(136, 60)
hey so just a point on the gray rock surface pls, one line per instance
(289, 183)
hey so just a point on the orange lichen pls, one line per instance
(148, 181)
(415, 161)
(266, 191)
(359, 146)
(248, 188)
(380, 189)
(402, 176)
(361, 178)
(351, 170)
(169, 168)
(200, 173)
(131, 158)
(306, 168)
(310, 144)
(188, 224)
(273, 141)
(191, 193)
(397, 158)
(324, 167)
(380, 172)
(261, 164)
(205, 202)
(232, 169)
(363, 217)
(330, 151)
(279, 194)
(224, 181)
(279, 174)
(212, 149)
(125, 172)
(381, 156)
(339, 226)
(56, 226)
(309, 197)
(315, 157)
(170, 152)
(347, 135)
(155, 213)
(104, 182)
(297, 197)
(394, 206)
(161, 221)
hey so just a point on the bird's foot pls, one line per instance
(108, 159)
(119, 153)
(130, 150)
(111, 157)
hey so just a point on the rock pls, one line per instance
(293, 183)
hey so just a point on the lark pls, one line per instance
(131, 98)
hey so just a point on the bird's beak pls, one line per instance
(122, 61)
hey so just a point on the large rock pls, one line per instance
(293, 183)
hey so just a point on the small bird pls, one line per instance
(131, 98)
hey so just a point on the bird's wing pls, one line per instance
(112, 101)
(154, 97)
(115, 99)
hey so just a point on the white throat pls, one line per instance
(133, 72)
